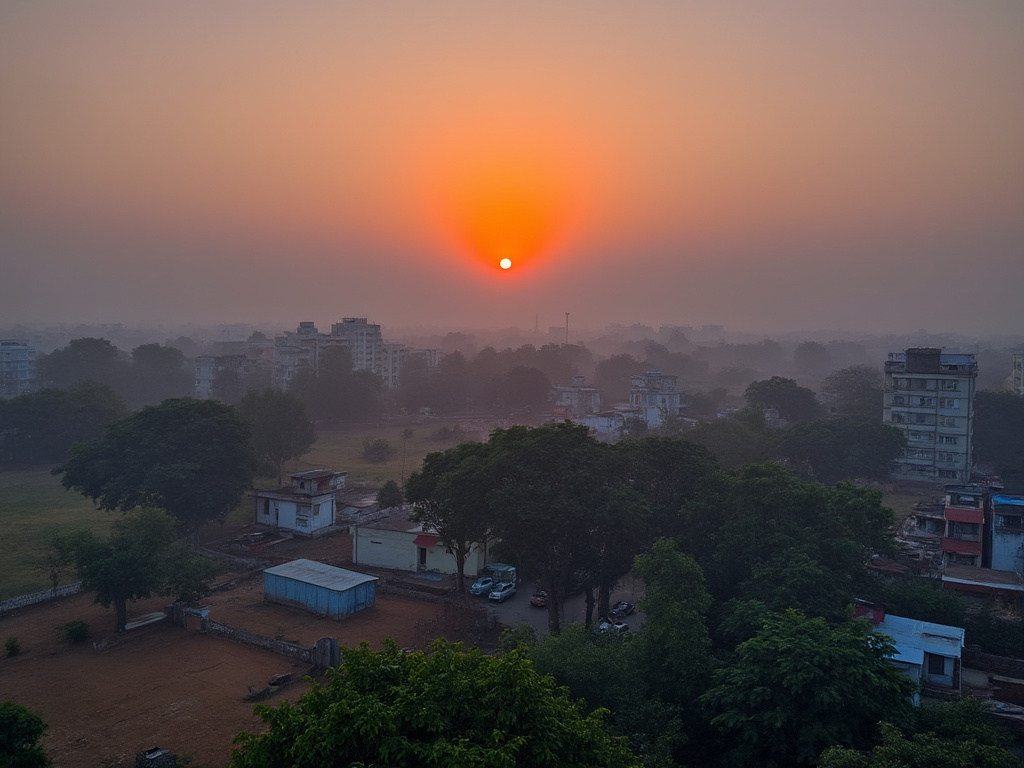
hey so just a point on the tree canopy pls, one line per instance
(449, 707)
(139, 559)
(842, 448)
(801, 685)
(193, 458)
(795, 403)
(281, 430)
(20, 732)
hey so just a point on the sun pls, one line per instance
(505, 263)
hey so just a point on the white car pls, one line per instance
(482, 586)
(502, 591)
(613, 626)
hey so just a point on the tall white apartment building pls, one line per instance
(17, 367)
(929, 395)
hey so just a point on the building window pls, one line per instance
(1010, 523)
(948, 439)
(899, 418)
(950, 386)
(925, 402)
(948, 421)
(936, 665)
(948, 456)
(948, 473)
(925, 437)
(964, 531)
(948, 402)
(897, 399)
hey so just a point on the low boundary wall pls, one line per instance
(988, 662)
(42, 596)
(267, 643)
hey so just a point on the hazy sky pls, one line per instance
(776, 166)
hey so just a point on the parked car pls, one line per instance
(539, 599)
(621, 610)
(502, 591)
(613, 626)
(482, 586)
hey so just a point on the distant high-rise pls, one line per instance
(17, 367)
(929, 395)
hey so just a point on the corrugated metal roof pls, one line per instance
(1012, 501)
(320, 574)
(913, 637)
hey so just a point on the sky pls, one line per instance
(777, 166)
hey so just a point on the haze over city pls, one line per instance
(786, 166)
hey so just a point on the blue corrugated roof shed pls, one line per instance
(318, 587)
(914, 638)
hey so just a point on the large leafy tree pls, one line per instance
(855, 391)
(450, 497)
(735, 441)
(445, 708)
(193, 458)
(998, 425)
(139, 559)
(801, 685)
(86, 358)
(158, 373)
(944, 735)
(42, 426)
(842, 448)
(794, 402)
(551, 487)
(20, 732)
(281, 430)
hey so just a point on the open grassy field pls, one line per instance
(33, 503)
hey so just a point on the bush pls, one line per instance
(12, 647)
(377, 449)
(75, 632)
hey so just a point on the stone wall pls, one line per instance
(39, 597)
(988, 662)
(267, 643)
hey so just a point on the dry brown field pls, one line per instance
(179, 688)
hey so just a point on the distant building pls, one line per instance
(207, 367)
(397, 357)
(929, 395)
(17, 367)
(963, 514)
(1005, 533)
(307, 506)
(1018, 374)
(576, 400)
(398, 543)
(653, 397)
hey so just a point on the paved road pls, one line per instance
(517, 610)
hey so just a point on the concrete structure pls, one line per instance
(307, 506)
(396, 357)
(575, 400)
(1005, 533)
(963, 515)
(929, 395)
(1018, 374)
(207, 367)
(320, 588)
(17, 367)
(398, 543)
(654, 397)
(926, 652)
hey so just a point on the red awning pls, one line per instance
(426, 540)
(964, 515)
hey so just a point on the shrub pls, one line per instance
(12, 647)
(377, 449)
(75, 632)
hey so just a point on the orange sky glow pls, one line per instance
(803, 166)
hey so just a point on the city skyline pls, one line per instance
(792, 168)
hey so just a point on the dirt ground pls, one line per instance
(178, 688)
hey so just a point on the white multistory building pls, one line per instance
(929, 395)
(17, 367)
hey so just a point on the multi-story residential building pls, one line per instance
(577, 399)
(654, 397)
(17, 367)
(1005, 533)
(1018, 374)
(395, 357)
(207, 366)
(964, 515)
(364, 342)
(929, 395)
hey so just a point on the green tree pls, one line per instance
(134, 563)
(20, 732)
(734, 441)
(612, 376)
(446, 708)
(449, 496)
(842, 448)
(801, 685)
(795, 403)
(281, 430)
(855, 391)
(812, 358)
(159, 373)
(390, 496)
(946, 735)
(84, 359)
(549, 487)
(193, 458)
(998, 425)
(42, 426)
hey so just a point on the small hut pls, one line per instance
(320, 588)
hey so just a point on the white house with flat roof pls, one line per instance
(398, 543)
(926, 652)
